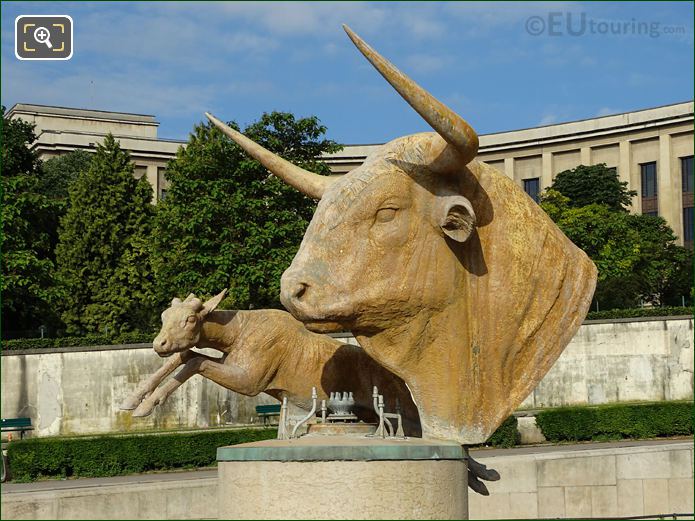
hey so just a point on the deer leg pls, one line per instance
(151, 383)
(160, 394)
(230, 376)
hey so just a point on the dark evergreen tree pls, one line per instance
(104, 270)
(59, 172)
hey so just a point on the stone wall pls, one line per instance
(68, 391)
(621, 361)
(593, 480)
(78, 392)
(583, 482)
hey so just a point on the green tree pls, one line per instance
(28, 221)
(664, 267)
(226, 222)
(59, 172)
(637, 257)
(104, 271)
(596, 184)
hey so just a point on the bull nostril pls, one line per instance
(299, 290)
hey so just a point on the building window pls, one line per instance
(688, 227)
(650, 204)
(649, 179)
(162, 194)
(687, 173)
(533, 187)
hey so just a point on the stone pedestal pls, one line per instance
(342, 477)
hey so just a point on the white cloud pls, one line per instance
(606, 111)
(563, 53)
(423, 63)
(548, 119)
(481, 18)
(304, 18)
(122, 90)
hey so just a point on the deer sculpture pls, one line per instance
(264, 351)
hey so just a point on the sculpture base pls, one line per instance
(343, 477)
(341, 429)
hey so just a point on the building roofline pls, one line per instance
(557, 132)
(81, 112)
(558, 124)
(118, 136)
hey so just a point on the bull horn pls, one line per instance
(308, 183)
(449, 125)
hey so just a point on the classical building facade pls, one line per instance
(651, 149)
(60, 130)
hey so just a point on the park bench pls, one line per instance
(17, 424)
(267, 411)
(13, 425)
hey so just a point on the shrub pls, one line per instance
(612, 422)
(666, 311)
(117, 455)
(507, 435)
(77, 341)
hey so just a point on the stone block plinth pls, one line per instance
(340, 477)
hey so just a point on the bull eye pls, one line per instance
(191, 319)
(385, 215)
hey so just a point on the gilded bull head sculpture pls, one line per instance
(447, 273)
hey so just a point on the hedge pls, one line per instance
(666, 311)
(117, 455)
(618, 421)
(77, 341)
(507, 435)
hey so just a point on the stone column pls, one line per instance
(669, 190)
(509, 167)
(632, 175)
(546, 170)
(342, 477)
(624, 169)
(153, 178)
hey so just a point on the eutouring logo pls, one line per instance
(579, 24)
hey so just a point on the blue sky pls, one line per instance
(177, 59)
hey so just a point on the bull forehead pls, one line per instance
(371, 181)
(391, 171)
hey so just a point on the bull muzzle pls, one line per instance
(299, 297)
(293, 295)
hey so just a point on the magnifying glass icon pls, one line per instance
(42, 35)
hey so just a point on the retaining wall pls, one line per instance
(77, 391)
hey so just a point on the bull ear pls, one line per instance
(211, 304)
(190, 297)
(456, 217)
(176, 301)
